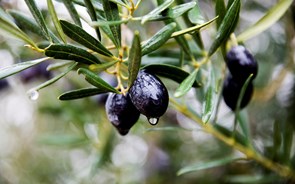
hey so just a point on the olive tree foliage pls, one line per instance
(178, 42)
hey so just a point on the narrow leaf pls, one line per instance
(112, 14)
(25, 23)
(13, 69)
(103, 66)
(69, 52)
(54, 66)
(210, 99)
(179, 10)
(226, 27)
(157, 10)
(9, 27)
(186, 85)
(271, 17)
(81, 93)
(220, 11)
(158, 39)
(55, 79)
(55, 21)
(169, 71)
(96, 81)
(206, 165)
(91, 11)
(73, 12)
(79, 35)
(99, 23)
(38, 17)
(134, 59)
(193, 29)
(195, 15)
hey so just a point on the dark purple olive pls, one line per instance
(149, 96)
(231, 92)
(241, 63)
(3, 84)
(121, 112)
(35, 72)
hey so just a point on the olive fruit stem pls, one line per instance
(250, 153)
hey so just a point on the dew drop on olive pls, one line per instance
(241, 63)
(231, 92)
(121, 112)
(150, 96)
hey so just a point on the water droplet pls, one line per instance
(33, 94)
(153, 121)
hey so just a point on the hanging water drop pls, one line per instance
(153, 121)
(33, 94)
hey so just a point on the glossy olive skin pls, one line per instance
(231, 92)
(3, 84)
(241, 63)
(121, 112)
(149, 95)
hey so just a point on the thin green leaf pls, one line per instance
(7, 25)
(134, 59)
(96, 81)
(97, 4)
(220, 11)
(206, 165)
(25, 23)
(55, 21)
(63, 140)
(73, 12)
(112, 14)
(38, 17)
(271, 17)
(195, 15)
(91, 11)
(227, 26)
(70, 52)
(103, 66)
(81, 93)
(169, 71)
(243, 121)
(79, 35)
(179, 10)
(99, 23)
(287, 143)
(156, 11)
(54, 66)
(55, 79)
(186, 84)
(13, 69)
(158, 39)
(210, 99)
(193, 29)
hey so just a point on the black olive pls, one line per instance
(121, 112)
(241, 63)
(3, 84)
(231, 92)
(150, 96)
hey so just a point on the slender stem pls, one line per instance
(250, 153)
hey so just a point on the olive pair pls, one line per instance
(147, 96)
(241, 65)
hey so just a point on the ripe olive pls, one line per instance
(3, 84)
(241, 63)
(149, 95)
(231, 92)
(121, 112)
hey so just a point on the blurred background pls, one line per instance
(47, 141)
